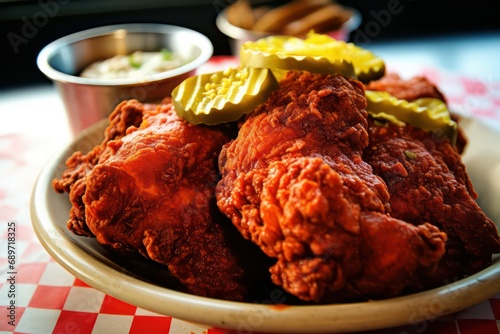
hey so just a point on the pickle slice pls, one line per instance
(316, 53)
(429, 114)
(224, 96)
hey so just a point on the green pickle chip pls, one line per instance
(316, 53)
(223, 96)
(429, 114)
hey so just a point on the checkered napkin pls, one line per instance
(50, 300)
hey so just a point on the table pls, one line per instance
(48, 299)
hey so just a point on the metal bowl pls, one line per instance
(88, 100)
(238, 36)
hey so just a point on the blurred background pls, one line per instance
(28, 25)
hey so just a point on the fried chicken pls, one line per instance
(410, 89)
(152, 191)
(428, 183)
(295, 183)
(126, 114)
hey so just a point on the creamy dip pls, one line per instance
(137, 65)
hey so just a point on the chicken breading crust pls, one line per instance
(149, 188)
(295, 183)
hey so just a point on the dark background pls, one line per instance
(416, 19)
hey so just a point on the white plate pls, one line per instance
(133, 280)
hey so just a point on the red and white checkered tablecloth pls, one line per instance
(50, 300)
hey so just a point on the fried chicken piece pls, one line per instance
(428, 183)
(127, 114)
(152, 191)
(420, 87)
(411, 89)
(294, 182)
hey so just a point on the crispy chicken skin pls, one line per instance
(152, 191)
(127, 114)
(294, 182)
(428, 183)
